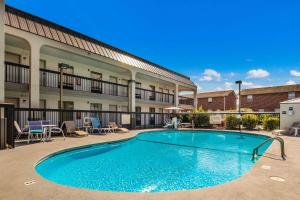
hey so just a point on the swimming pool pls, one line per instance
(155, 161)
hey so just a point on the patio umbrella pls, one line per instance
(173, 108)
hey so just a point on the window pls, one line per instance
(138, 92)
(152, 93)
(291, 95)
(13, 73)
(113, 88)
(138, 119)
(67, 114)
(113, 114)
(249, 98)
(96, 82)
(96, 106)
(210, 100)
(152, 116)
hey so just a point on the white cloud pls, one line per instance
(295, 73)
(246, 84)
(290, 82)
(210, 74)
(257, 73)
(228, 85)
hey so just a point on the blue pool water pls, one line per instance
(155, 162)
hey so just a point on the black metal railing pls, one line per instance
(133, 120)
(7, 131)
(16, 73)
(151, 95)
(186, 100)
(51, 79)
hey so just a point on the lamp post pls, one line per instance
(239, 82)
(61, 67)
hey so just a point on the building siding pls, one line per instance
(267, 102)
(218, 103)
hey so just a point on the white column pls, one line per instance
(2, 49)
(195, 99)
(176, 98)
(34, 88)
(131, 92)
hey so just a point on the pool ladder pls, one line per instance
(279, 139)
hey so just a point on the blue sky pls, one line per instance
(215, 42)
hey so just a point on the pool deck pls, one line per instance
(17, 167)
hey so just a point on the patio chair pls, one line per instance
(71, 129)
(292, 130)
(96, 125)
(115, 127)
(20, 131)
(168, 124)
(35, 128)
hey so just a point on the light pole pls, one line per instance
(61, 67)
(239, 82)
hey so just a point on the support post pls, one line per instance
(2, 50)
(176, 95)
(131, 98)
(195, 99)
(34, 87)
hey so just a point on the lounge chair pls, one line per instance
(292, 130)
(115, 127)
(168, 124)
(20, 131)
(71, 129)
(35, 128)
(97, 126)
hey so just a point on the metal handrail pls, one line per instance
(279, 139)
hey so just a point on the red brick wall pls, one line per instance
(268, 102)
(218, 103)
(231, 101)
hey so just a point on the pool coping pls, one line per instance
(46, 189)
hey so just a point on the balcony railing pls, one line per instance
(150, 95)
(186, 100)
(16, 73)
(51, 79)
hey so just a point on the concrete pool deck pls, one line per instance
(17, 167)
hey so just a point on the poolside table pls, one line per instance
(48, 128)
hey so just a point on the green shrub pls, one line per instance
(201, 120)
(184, 118)
(249, 121)
(232, 121)
(270, 123)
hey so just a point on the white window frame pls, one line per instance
(209, 99)
(291, 95)
(249, 98)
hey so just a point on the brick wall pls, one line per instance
(218, 103)
(268, 102)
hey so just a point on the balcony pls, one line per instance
(19, 74)
(16, 73)
(186, 101)
(51, 79)
(153, 96)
